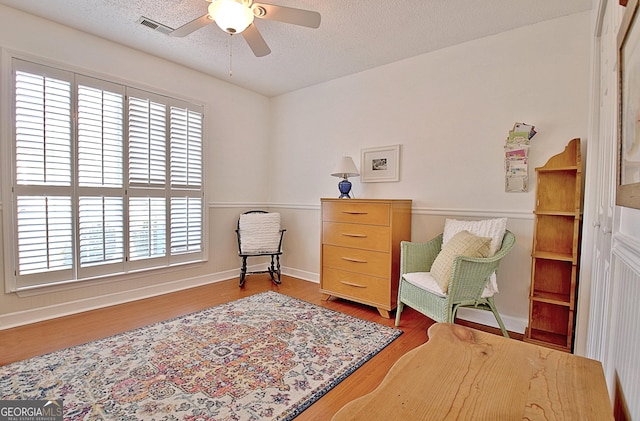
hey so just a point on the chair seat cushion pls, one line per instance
(424, 280)
(462, 244)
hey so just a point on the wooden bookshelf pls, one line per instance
(555, 253)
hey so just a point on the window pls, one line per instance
(107, 178)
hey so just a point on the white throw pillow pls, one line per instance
(492, 228)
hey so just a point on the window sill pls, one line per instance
(102, 280)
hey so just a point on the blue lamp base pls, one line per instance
(345, 187)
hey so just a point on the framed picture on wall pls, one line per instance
(628, 190)
(380, 164)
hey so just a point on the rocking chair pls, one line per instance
(259, 234)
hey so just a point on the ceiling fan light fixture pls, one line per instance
(231, 16)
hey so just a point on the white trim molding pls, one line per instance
(415, 210)
(39, 314)
(627, 249)
(34, 315)
(483, 317)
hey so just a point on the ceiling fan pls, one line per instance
(236, 17)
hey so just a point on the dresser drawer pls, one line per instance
(363, 288)
(367, 237)
(355, 212)
(367, 262)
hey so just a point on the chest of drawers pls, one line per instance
(360, 250)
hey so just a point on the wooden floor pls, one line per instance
(40, 338)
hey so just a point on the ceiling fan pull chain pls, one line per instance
(230, 55)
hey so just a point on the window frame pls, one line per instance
(13, 62)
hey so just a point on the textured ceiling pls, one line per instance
(354, 35)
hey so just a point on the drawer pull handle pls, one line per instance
(355, 212)
(351, 259)
(348, 234)
(351, 284)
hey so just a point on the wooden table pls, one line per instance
(465, 374)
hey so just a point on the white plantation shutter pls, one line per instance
(119, 188)
(101, 228)
(147, 174)
(43, 128)
(100, 135)
(186, 148)
(147, 142)
(44, 226)
(147, 227)
(100, 176)
(186, 224)
(43, 174)
(186, 180)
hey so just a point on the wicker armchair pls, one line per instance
(467, 284)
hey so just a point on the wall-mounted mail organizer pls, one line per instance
(516, 153)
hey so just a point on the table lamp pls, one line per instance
(345, 169)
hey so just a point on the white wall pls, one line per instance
(451, 111)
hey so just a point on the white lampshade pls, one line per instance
(231, 16)
(345, 168)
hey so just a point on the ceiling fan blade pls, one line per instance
(287, 15)
(192, 26)
(257, 44)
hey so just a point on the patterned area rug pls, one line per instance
(268, 356)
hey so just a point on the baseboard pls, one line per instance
(35, 315)
(25, 317)
(483, 317)
(20, 318)
(295, 273)
(301, 274)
